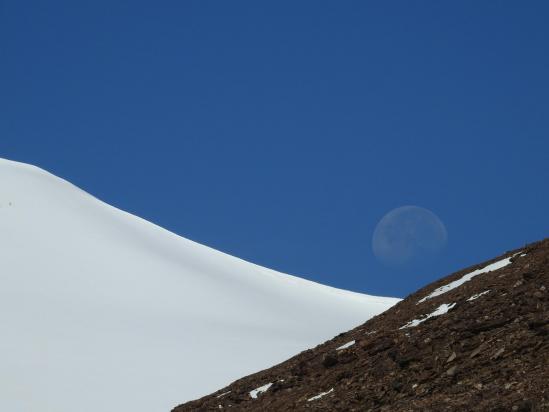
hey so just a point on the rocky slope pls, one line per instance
(477, 340)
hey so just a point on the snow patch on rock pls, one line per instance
(441, 310)
(347, 345)
(260, 390)
(466, 278)
(478, 295)
(320, 395)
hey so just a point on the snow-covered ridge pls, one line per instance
(94, 297)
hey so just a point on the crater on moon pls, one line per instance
(408, 233)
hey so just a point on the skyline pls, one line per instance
(282, 134)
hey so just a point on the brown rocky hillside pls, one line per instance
(480, 343)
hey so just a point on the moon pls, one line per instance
(407, 234)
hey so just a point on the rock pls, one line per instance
(329, 360)
(498, 353)
(477, 350)
(451, 371)
(397, 385)
(451, 357)
(528, 275)
(523, 406)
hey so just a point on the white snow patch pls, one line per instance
(223, 394)
(320, 395)
(441, 310)
(259, 390)
(347, 345)
(466, 278)
(478, 295)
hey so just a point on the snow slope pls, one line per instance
(103, 311)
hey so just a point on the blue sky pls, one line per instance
(282, 132)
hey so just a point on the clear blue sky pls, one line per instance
(281, 132)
